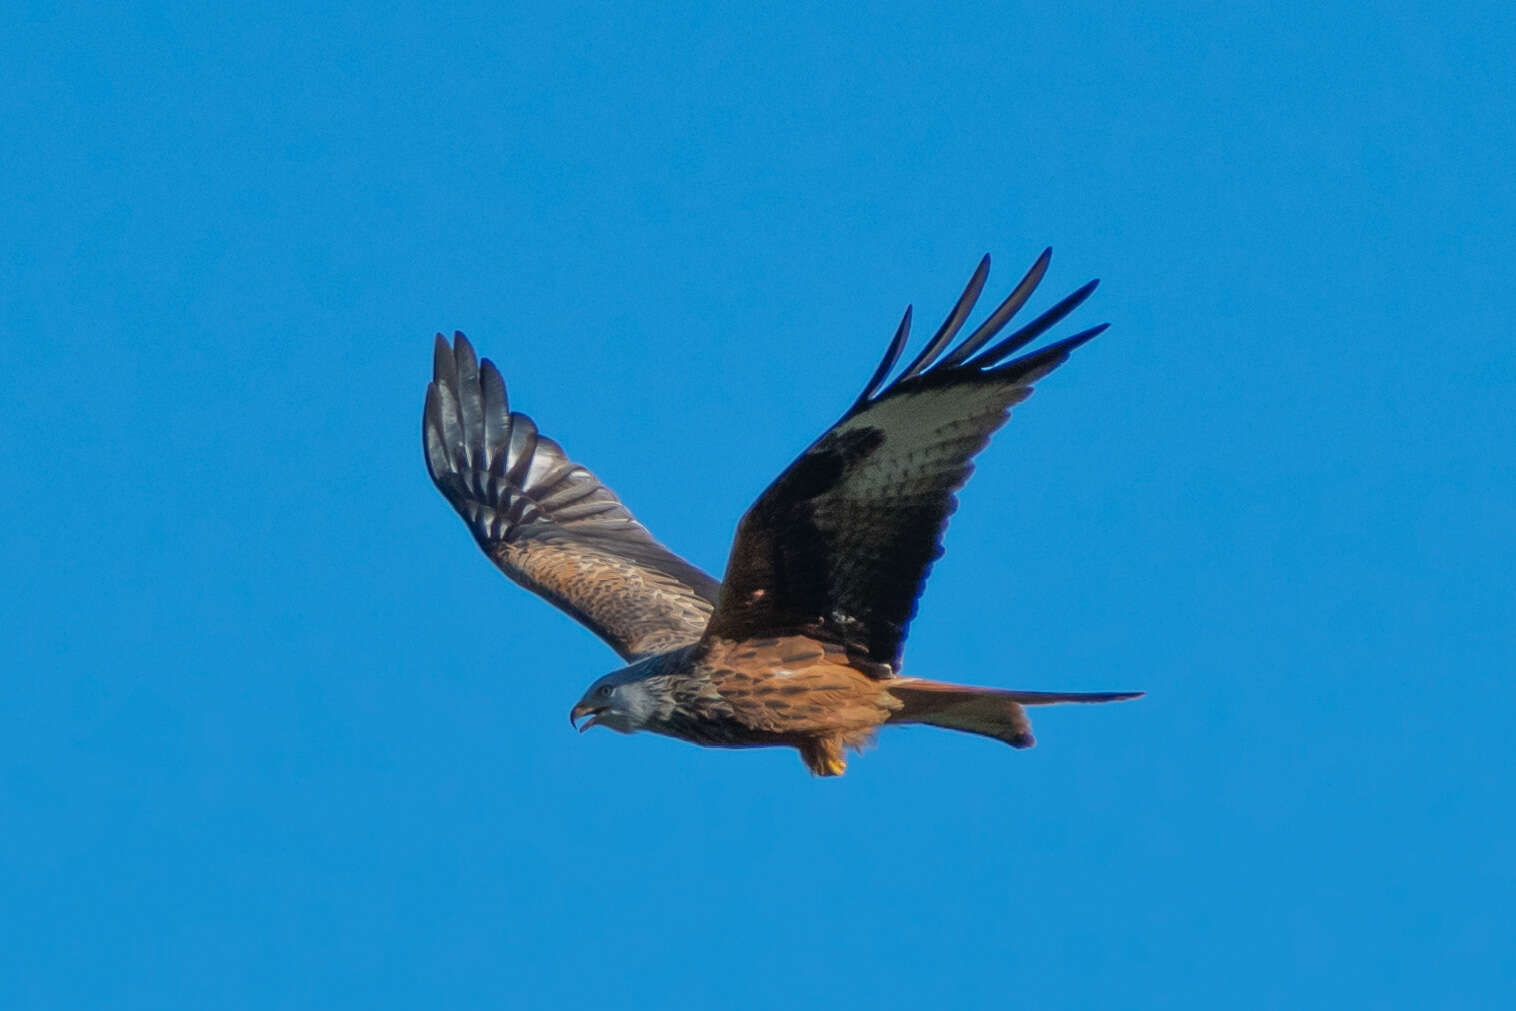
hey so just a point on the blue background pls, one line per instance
(273, 734)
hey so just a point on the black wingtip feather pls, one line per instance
(1036, 328)
(497, 411)
(1031, 367)
(891, 356)
(470, 401)
(968, 356)
(443, 369)
(1003, 313)
(954, 322)
(432, 439)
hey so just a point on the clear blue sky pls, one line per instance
(273, 734)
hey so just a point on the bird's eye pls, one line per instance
(605, 690)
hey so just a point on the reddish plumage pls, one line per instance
(800, 645)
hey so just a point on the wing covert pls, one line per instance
(547, 522)
(840, 544)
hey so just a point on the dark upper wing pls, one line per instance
(841, 543)
(547, 522)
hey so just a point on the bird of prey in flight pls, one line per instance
(800, 643)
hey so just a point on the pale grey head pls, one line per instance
(623, 700)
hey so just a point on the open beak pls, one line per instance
(593, 712)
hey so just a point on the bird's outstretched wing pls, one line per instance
(547, 522)
(841, 543)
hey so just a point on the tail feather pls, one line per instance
(989, 712)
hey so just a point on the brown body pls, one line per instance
(800, 645)
(794, 691)
(803, 692)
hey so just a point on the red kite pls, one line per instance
(800, 644)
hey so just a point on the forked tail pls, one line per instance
(991, 712)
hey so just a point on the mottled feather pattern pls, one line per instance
(546, 521)
(801, 645)
(764, 692)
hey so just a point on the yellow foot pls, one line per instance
(823, 756)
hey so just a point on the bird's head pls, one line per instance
(621, 700)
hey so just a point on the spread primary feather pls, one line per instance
(800, 644)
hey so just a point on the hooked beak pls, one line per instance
(593, 712)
